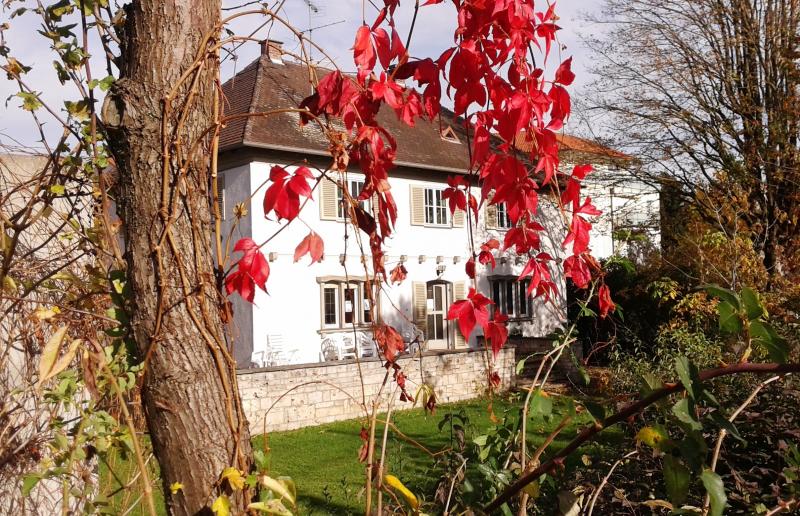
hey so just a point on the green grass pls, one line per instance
(323, 460)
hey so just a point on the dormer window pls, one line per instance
(449, 135)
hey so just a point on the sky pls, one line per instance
(334, 23)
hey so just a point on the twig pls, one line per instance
(590, 432)
(596, 494)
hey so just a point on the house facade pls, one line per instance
(309, 308)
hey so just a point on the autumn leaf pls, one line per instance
(175, 487)
(283, 196)
(497, 332)
(252, 269)
(234, 478)
(221, 506)
(395, 483)
(312, 245)
(398, 274)
(49, 364)
(389, 341)
(363, 51)
(469, 312)
(605, 302)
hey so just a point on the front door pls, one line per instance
(438, 326)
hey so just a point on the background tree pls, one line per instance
(705, 94)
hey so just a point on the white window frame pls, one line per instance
(518, 290)
(503, 221)
(354, 186)
(337, 309)
(434, 201)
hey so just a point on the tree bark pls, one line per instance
(190, 394)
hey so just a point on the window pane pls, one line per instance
(340, 203)
(329, 305)
(438, 301)
(524, 307)
(349, 305)
(496, 293)
(367, 306)
(439, 326)
(509, 297)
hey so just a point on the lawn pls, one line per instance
(323, 460)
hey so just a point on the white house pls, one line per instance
(310, 307)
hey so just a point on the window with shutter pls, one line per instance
(327, 200)
(458, 218)
(417, 205)
(459, 293)
(419, 305)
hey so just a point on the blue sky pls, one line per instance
(432, 34)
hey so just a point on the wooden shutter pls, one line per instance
(458, 218)
(417, 205)
(490, 214)
(221, 196)
(419, 306)
(327, 200)
(458, 294)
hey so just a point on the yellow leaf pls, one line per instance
(394, 482)
(49, 355)
(9, 285)
(175, 487)
(270, 507)
(277, 487)
(532, 489)
(234, 478)
(651, 436)
(221, 506)
(44, 314)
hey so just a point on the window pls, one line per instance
(355, 186)
(330, 306)
(503, 222)
(346, 304)
(511, 297)
(449, 135)
(435, 207)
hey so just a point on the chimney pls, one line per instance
(273, 49)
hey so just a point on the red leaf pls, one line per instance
(575, 267)
(497, 333)
(605, 302)
(312, 245)
(470, 268)
(252, 269)
(383, 46)
(363, 51)
(389, 341)
(283, 196)
(564, 74)
(398, 274)
(469, 312)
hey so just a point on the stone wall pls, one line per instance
(297, 396)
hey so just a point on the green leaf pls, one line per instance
(676, 479)
(723, 423)
(29, 482)
(261, 460)
(30, 101)
(596, 410)
(270, 507)
(722, 293)
(520, 366)
(690, 377)
(764, 334)
(693, 449)
(729, 321)
(684, 411)
(541, 404)
(716, 491)
(752, 304)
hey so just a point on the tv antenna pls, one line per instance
(314, 10)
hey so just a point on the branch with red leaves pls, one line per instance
(632, 409)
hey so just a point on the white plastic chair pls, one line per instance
(366, 346)
(347, 348)
(328, 350)
(276, 353)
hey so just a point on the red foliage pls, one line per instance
(604, 300)
(389, 341)
(251, 270)
(283, 196)
(312, 245)
(497, 332)
(469, 312)
(398, 274)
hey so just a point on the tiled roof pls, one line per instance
(573, 145)
(265, 86)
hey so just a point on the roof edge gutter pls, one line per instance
(315, 152)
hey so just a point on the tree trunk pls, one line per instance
(190, 395)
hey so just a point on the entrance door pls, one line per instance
(438, 326)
